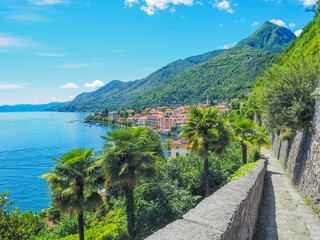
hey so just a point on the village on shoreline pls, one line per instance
(166, 121)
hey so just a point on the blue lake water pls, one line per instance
(28, 141)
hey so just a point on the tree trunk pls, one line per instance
(130, 211)
(244, 153)
(206, 169)
(81, 225)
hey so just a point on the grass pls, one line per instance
(243, 170)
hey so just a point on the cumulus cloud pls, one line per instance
(10, 86)
(223, 5)
(47, 2)
(308, 3)
(278, 22)
(292, 25)
(150, 7)
(69, 85)
(298, 32)
(227, 46)
(94, 84)
(254, 23)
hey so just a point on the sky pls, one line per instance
(52, 50)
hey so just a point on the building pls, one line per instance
(180, 148)
(152, 121)
(112, 115)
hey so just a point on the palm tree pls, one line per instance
(128, 156)
(261, 137)
(243, 130)
(168, 146)
(205, 131)
(74, 183)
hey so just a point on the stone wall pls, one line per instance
(228, 214)
(301, 158)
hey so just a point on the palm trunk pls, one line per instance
(244, 153)
(206, 170)
(130, 211)
(81, 225)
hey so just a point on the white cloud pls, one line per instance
(50, 54)
(27, 17)
(227, 46)
(278, 22)
(152, 6)
(94, 84)
(292, 25)
(172, 10)
(220, 24)
(7, 41)
(298, 32)
(78, 65)
(47, 2)
(223, 5)
(254, 23)
(71, 97)
(10, 86)
(308, 3)
(69, 85)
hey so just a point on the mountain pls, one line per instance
(116, 94)
(217, 74)
(226, 76)
(269, 37)
(28, 107)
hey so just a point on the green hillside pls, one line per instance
(116, 94)
(270, 37)
(226, 76)
(218, 74)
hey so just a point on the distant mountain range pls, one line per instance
(28, 107)
(217, 74)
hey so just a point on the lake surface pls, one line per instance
(28, 141)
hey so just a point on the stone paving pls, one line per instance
(283, 214)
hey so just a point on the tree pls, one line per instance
(74, 183)
(205, 131)
(287, 93)
(261, 137)
(128, 156)
(243, 130)
(167, 145)
(173, 129)
(16, 226)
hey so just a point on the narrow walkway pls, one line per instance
(283, 214)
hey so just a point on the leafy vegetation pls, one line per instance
(288, 93)
(243, 170)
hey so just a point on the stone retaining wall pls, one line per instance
(228, 214)
(301, 158)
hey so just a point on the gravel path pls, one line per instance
(283, 213)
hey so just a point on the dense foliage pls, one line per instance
(226, 76)
(288, 93)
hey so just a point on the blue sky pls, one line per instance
(52, 50)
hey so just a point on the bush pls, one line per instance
(243, 170)
(287, 93)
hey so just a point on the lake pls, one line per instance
(29, 140)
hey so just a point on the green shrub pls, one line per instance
(243, 170)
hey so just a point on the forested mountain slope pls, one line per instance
(117, 94)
